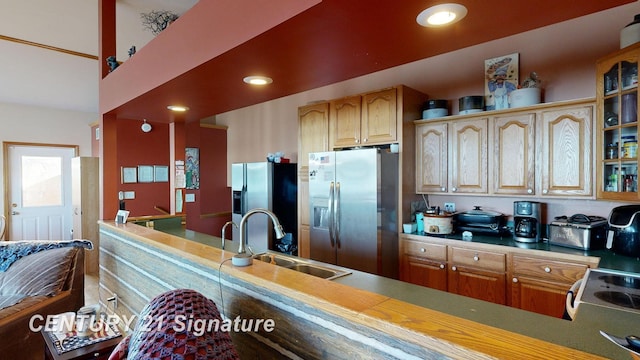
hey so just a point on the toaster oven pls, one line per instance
(579, 232)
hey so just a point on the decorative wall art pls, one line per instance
(129, 175)
(192, 168)
(145, 173)
(160, 173)
(501, 78)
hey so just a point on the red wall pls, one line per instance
(212, 206)
(136, 147)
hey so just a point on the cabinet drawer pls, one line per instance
(479, 259)
(420, 249)
(552, 270)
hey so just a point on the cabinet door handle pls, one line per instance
(454, 268)
(476, 257)
(357, 141)
(441, 266)
(443, 189)
(529, 191)
(515, 280)
(454, 189)
(547, 269)
(545, 191)
(423, 250)
(365, 140)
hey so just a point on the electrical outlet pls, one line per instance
(450, 207)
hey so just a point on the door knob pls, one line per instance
(15, 213)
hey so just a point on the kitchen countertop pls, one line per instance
(581, 333)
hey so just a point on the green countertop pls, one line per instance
(582, 333)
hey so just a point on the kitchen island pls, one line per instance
(356, 316)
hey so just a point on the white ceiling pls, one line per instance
(34, 76)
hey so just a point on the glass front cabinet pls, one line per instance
(617, 129)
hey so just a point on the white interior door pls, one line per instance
(40, 205)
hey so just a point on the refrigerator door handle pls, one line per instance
(336, 213)
(331, 212)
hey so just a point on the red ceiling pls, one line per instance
(337, 40)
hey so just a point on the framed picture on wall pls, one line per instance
(129, 175)
(145, 173)
(192, 168)
(501, 78)
(160, 173)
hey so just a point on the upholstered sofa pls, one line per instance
(37, 278)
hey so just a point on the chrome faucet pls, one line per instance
(243, 223)
(224, 227)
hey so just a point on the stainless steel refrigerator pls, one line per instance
(271, 186)
(353, 197)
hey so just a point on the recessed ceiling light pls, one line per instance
(443, 14)
(258, 80)
(178, 108)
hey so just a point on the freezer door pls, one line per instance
(321, 186)
(252, 184)
(238, 190)
(357, 203)
(259, 195)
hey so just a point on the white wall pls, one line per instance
(30, 124)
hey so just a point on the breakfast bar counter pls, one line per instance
(355, 316)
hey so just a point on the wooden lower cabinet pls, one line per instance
(541, 285)
(526, 279)
(424, 264)
(478, 274)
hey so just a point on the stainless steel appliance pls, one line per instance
(526, 221)
(271, 186)
(579, 231)
(480, 221)
(353, 197)
(624, 230)
(608, 288)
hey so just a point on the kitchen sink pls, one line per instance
(278, 260)
(315, 270)
(304, 266)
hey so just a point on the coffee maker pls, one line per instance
(526, 221)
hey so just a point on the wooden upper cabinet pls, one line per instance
(379, 117)
(566, 151)
(344, 123)
(514, 154)
(469, 156)
(431, 159)
(617, 130)
(314, 131)
(370, 119)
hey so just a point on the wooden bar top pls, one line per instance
(457, 326)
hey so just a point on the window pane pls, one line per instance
(41, 181)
